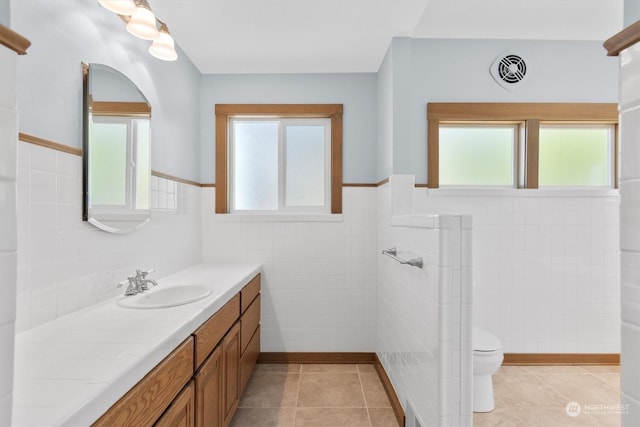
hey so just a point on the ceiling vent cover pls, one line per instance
(510, 70)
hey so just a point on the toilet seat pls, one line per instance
(484, 343)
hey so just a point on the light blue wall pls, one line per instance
(356, 91)
(631, 12)
(5, 13)
(385, 117)
(439, 70)
(65, 33)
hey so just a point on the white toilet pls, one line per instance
(487, 358)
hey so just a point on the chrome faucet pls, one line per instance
(138, 283)
(132, 287)
(142, 278)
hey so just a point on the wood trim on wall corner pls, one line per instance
(623, 39)
(561, 359)
(14, 41)
(175, 178)
(25, 137)
(398, 411)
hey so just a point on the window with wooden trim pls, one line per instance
(278, 158)
(522, 145)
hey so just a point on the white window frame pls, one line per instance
(283, 122)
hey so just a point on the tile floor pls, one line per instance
(539, 395)
(314, 396)
(352, 396)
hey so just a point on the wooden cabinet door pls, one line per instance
(231, 373)
(209, 391)
(181, 412)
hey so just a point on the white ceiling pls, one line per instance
(334, 36)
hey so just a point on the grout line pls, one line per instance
(295, 407)
(364, 396)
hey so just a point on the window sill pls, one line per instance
(278, 217)
(524, 192)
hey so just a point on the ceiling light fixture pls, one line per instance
(142, 23)
(163, 46)
(121, 7)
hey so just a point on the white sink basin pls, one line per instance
(166, 297)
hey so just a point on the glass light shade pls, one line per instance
(143, 24)
(121, 7)
(163, 47)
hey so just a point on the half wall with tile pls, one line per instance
(424, 315)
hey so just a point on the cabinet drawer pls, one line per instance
(249, 359)
(147, 400)
(249, 292)
(249, 322)
(211, 332)
(181, 413)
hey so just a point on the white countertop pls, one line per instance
(68, 372)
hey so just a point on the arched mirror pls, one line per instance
(116, 151)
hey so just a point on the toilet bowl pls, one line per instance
(487, 358)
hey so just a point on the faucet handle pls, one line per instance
(132, 288)
(146, 272)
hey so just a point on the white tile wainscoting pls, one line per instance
(424, 315)
(630, 231)
(8, 241)
(546, 265)
(65, 264)
(319, 282)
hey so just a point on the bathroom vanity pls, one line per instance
(185, 365)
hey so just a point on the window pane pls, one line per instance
(305, 160)
(143, 167)
(255, 165)
(575, 155)
(474, 155)
(108, 164)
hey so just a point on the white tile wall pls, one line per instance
(8, 240)
(65, 264)
(546, 266)
(630, 232)
(319, 278)
(424, 316)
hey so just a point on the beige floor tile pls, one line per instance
(582, 388)
(602, 368)
(607, 419)
(560, 369)
(499, 417)
(332, 417)
(526, 391)
(337, 390)
(374, 394)
(382, 417)
(366, 369)
(512, 370)
(264, 417)
(313, 368)
(499, 403)
(270, 390)
(553, 417)
(612, 379)
(282, 368)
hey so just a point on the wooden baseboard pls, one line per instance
(391, 392)
(284, 357)
(561, 359)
